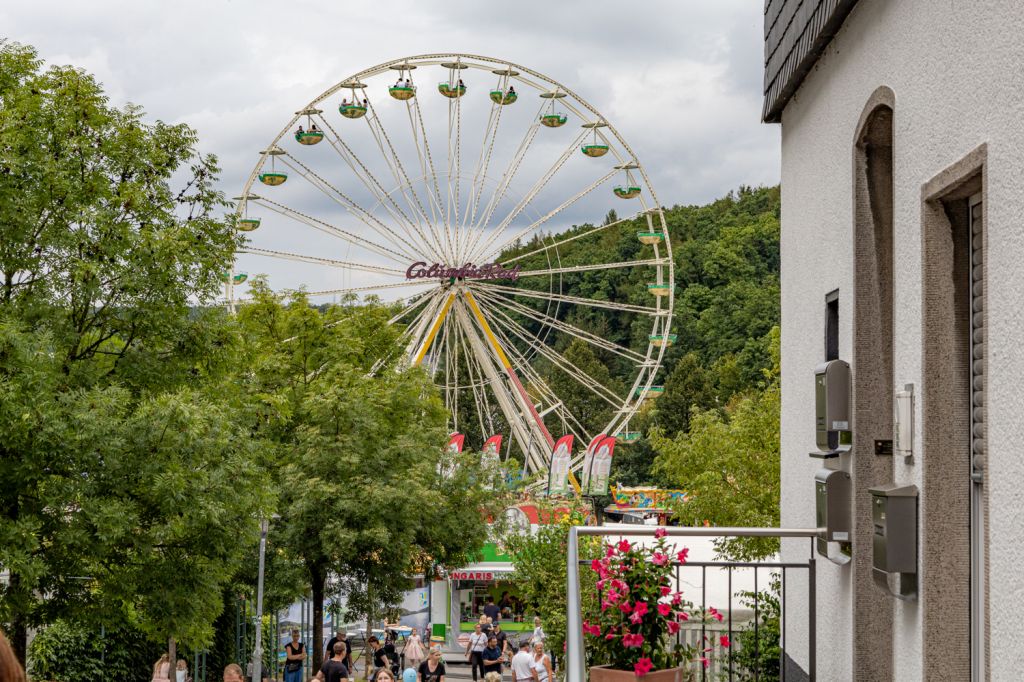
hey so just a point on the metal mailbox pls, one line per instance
(894, 540)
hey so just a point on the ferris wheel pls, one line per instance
(469, 192)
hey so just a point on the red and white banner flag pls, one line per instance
(602, 467)
(558, 471)
(455, 442)
(491, 453)
(588, 461)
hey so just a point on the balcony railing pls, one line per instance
(746, 578)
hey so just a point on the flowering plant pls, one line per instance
(639, 615)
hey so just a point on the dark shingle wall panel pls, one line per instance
(796, 33)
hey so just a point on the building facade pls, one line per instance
(902, 242)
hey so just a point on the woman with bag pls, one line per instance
(295, 654)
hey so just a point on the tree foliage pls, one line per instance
(128, 475)
(728, 463)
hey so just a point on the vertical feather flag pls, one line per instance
(558, 471)
(588, 461)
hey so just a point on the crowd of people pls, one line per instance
(489, 652)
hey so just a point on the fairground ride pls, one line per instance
(447, 182)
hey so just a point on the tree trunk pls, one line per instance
(369, 631)
(172, 657)
(19, 622)
(317, 578)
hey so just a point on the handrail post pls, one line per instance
(575, 658)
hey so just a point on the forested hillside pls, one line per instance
(726, 258)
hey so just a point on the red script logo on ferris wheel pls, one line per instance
(420, 270)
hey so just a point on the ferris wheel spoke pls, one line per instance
(299, 258)
(370, 181)
(433, 186)
(567, 269)
(477, 389)
(503, 184)
(563, 239)
(551, 214)
(480, 173)
(539, 185)
(503, 320)
(367, 288)
(349, 204)
(332, 230)
(482, 285)
(537, 316)
(405, 185)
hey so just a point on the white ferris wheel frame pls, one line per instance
(472, 317)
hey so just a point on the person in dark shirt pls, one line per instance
(380, 656)
(502, 638)
(334, 669)
(432, 669)
(340, 636)
(491, 610)
(492, 657)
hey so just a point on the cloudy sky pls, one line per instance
(679, 79)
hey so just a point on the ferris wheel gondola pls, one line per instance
(469, 238)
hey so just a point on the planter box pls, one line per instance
(602, 673)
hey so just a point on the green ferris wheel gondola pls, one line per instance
(239, 277)
(659, 340)
(649, 392)
(451, 91)
(650, 237)
(627, 192)
(504, 96)
(273, 178)
(248, 224)
(594, 150)
(352, 110)
(309, 137)
(627, 436)
(402, 92)
(553, 120)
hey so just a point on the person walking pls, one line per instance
(413, 650)
(538, 631)
(162, 669)
(502, 638)
(475, 650)
(522, 665)
(333, 669)
(541, 664)
(432, 669)
(380, 656)
(233, 673)
(295, 655)
(492, 656)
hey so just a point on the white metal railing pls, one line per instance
(575, 647)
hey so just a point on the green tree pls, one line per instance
(361, 497)
(128, 476)
(541, 572)
(728, 462)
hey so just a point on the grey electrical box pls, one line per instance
(832, 405)
(894, 540)
(832, 507)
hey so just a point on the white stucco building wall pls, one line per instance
(956, 68)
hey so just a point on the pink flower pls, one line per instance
(665, 590)
(642, 667)
(682, 615)
(664, 609)
(659, 559)
(636, 618)
(640, 607)
(624, 546)
(677, 598)
(704, 661)
(625, 607)
(682, 554)
(596, 566)
(589, 629)
(609, 551)
(620, 586)
(610, 636)
(673, 627)
(660, 533)
(724, 640)
(601, 582)
(605, 605)
(714, 614)
(612, 596)
(631, 641)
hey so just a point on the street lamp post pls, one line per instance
(257, 654)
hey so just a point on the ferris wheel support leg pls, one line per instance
(527, 403)
(432, 334)
(525, 432)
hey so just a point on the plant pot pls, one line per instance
(603, 673)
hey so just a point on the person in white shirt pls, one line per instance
(538, 631)
(475, 651)
(522, 665)
(541, 664)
